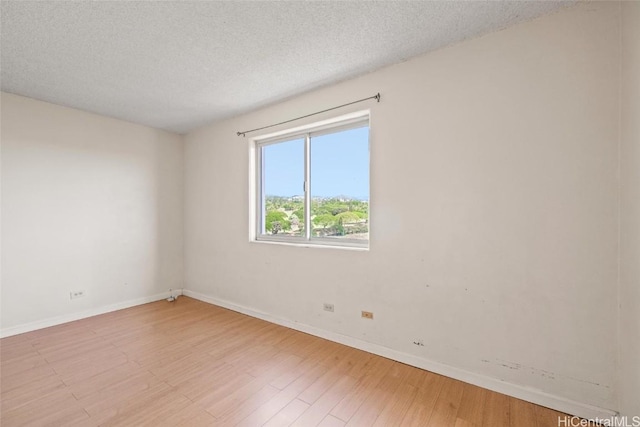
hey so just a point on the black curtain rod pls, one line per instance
(376, 97)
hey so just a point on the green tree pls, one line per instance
(276, 221)
(300, 214)
(335, 206)
(362, 215)
(324, 220)
(347, 218)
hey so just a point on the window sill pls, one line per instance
(312, 245)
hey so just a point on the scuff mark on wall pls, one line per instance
(541, 372)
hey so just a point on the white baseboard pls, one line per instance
(53, 321)
(532, 395)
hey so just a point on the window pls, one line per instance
(312, 184)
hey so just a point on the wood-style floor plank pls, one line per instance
(472, 405)
(322, 406)
(188, 363)
(348, 406)
(397, 406)
(522, 412)
(497, 410)
(420, 411)
(288, 415)
(331, 421)
(446, 409)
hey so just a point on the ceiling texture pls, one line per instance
(178, 65)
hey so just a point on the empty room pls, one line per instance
(320, 213)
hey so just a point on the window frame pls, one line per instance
(257, 181)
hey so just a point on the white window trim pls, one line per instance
(255, 182)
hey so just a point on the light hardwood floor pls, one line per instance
(189, 363)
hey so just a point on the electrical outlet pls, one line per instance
(367, 314)
(76, 294)
(328, 307)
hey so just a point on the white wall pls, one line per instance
(88, 203)
(630, 213)
(494, 224)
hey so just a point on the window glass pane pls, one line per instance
(340, 184)
(283, 196)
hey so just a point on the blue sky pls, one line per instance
(339, 166)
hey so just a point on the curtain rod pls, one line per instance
(376, 97)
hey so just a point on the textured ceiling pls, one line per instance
(177, 65)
